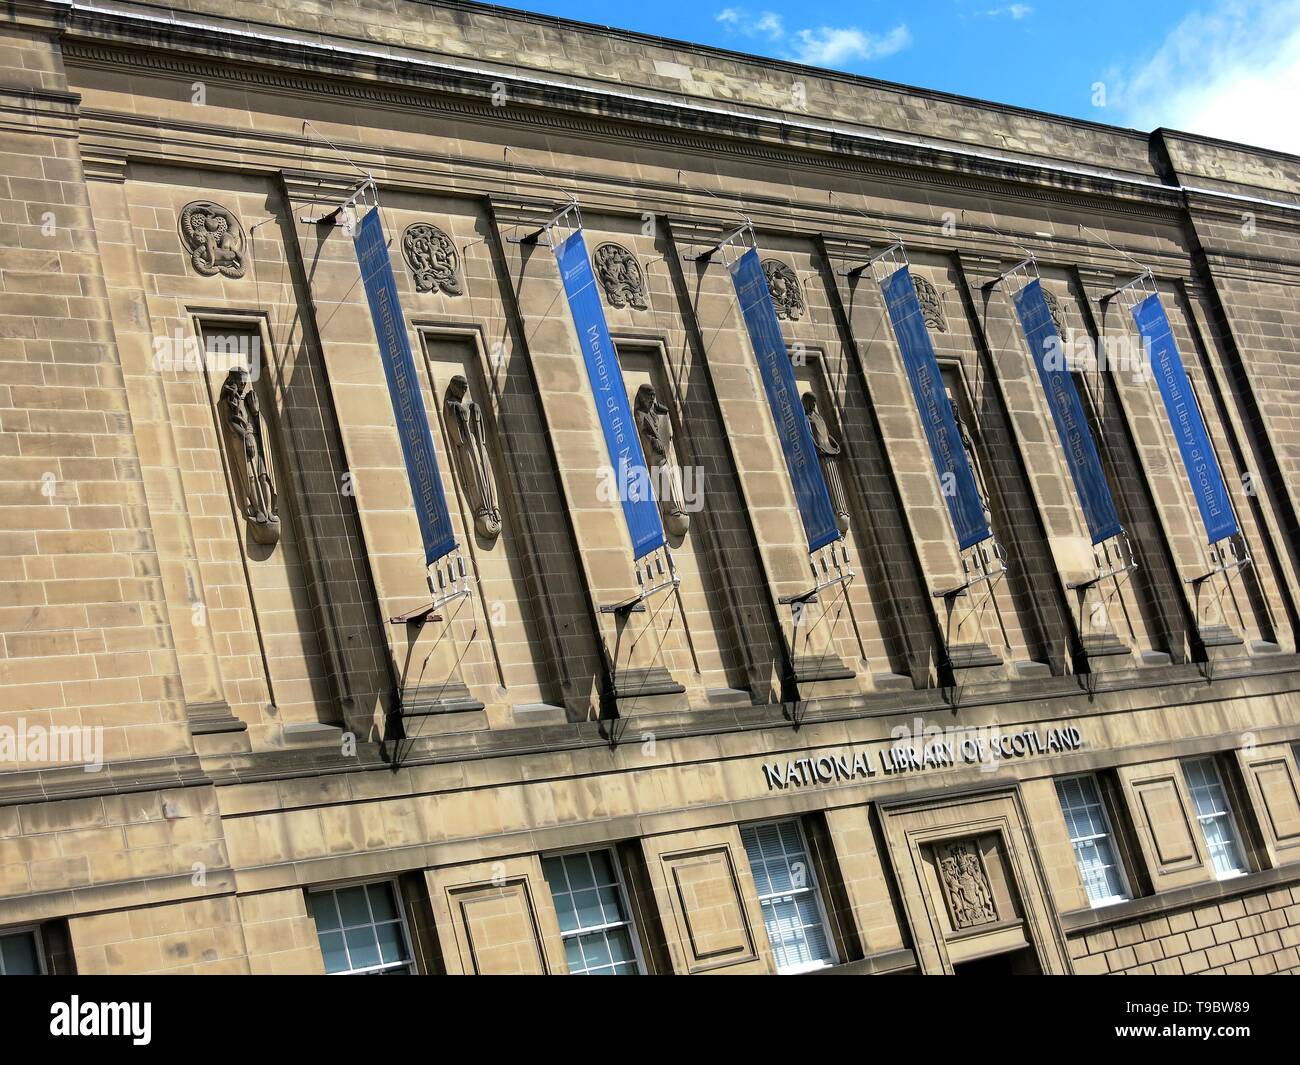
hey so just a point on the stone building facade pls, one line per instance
(212, 581)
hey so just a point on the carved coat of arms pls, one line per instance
(965, 885)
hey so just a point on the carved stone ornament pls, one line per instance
(214, 239)
(241, 418)
(655, 427)
(1054, 309)
(965, 885)
(432, 259)
(784, 287)
(931, 303)
(828, 451)
(620, 276)
(468, 435)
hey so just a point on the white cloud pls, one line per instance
(823, 46)
(767, 24)
(828, 46)
(1016, 11)
(1231, 71)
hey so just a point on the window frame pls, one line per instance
(34, 930)
(1239, 837)
(815, 887)
(624, 896)
(411, 963)
(1115, 842)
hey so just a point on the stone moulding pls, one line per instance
(842, 148)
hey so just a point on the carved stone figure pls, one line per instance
(241, 414)
(965, 885)
(432, 259)
(828, 450)
(784, 287)
(931, 303)
(968, 445)
(656, 430)
(469, 440)
(620, 276)
(214, 239)
(1054, 309)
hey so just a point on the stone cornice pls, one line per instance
(401, 81)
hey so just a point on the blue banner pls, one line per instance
(404, 389)
(792, 429)
(1072, 429)
(956, 477)
(615, 412)
(1185, 420)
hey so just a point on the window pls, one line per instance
(362, 931)
(1093, 840)
(1215, 816)
(20, 953)
(599, 939)
(787, 892)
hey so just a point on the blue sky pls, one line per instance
(1225, 68)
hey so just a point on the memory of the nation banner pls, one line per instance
(955, 475)
(782, 390)
(1071, 423)
(1185, 419)
(404, 389)
(615, 412)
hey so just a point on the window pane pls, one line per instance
(587, 895)
(579, 870)
(587, 904)
(1215, 817)
(18, 955)
(392, 945)
(363, 951)
(381, 902)
(360, 929)
(787, 891)
(324, 910)
(1094, 849)
(331, 948)
(352, 906)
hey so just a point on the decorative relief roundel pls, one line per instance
(620, 276)
(214, 239)
(784, 287)
(1054, 308)
(931, 303)
(432, 259)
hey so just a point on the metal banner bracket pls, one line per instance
(448, 581)
(984, 561)
(1225, 558)
(1021, 269)
(1113, 557)
(655, 571)
(708, 253)
(337, 215)
(885, 264)
(542, 234)
(829, 568)
(1144, 284)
